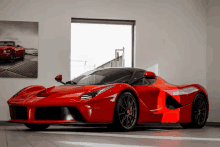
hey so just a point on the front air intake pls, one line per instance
(48, 113)
(58, 113)
(19, 112)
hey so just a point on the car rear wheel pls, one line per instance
(37, 126)
(126, 112)
(199, 112)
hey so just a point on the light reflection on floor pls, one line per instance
(92, 144)
(100, 136)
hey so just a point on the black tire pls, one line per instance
(12, 58)
(125, 113)
(23, 55)
(37, 126)
(199, 113)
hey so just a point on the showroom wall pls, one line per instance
(172, 34)
(213, 60)
(169, 33)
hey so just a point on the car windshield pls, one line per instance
(104, 76)
(6, 43)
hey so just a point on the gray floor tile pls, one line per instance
(3, 139)
(15, 138)
(69, 136)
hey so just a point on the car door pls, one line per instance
(148, 93)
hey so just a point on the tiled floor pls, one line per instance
(26, 68)
(70, 136)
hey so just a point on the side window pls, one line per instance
(152, 81)
(142, 81)
(139, 82)
(137, 75)
(146, 81)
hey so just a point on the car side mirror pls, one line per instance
(59, 79)
(149, 75)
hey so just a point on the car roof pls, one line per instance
(125, 68)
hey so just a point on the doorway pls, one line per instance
(97, 43)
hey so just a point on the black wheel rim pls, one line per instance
(12, 58)
(200, 110)
(127, 111)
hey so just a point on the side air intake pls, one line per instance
(171, 103)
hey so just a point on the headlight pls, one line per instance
(6, 51)
(95, 93)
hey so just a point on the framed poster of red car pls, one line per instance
(18, 49)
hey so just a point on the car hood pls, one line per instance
(4, 47)
(63, 90)
(55, 94)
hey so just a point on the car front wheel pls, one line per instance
(12, 58)
(23, 55)
(126, 112)
(37, 126)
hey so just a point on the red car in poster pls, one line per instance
(118, 97)
(9, 51)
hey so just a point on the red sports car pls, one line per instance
(8, 51)
(118, 97)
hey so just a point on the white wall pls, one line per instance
(154, 69)
(170, 33)
(213, 58)
(174, 37)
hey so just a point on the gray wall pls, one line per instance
(213, 58)
(171, 33)
(174, 37)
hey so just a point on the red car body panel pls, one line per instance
(18, 51)
(100, 109)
